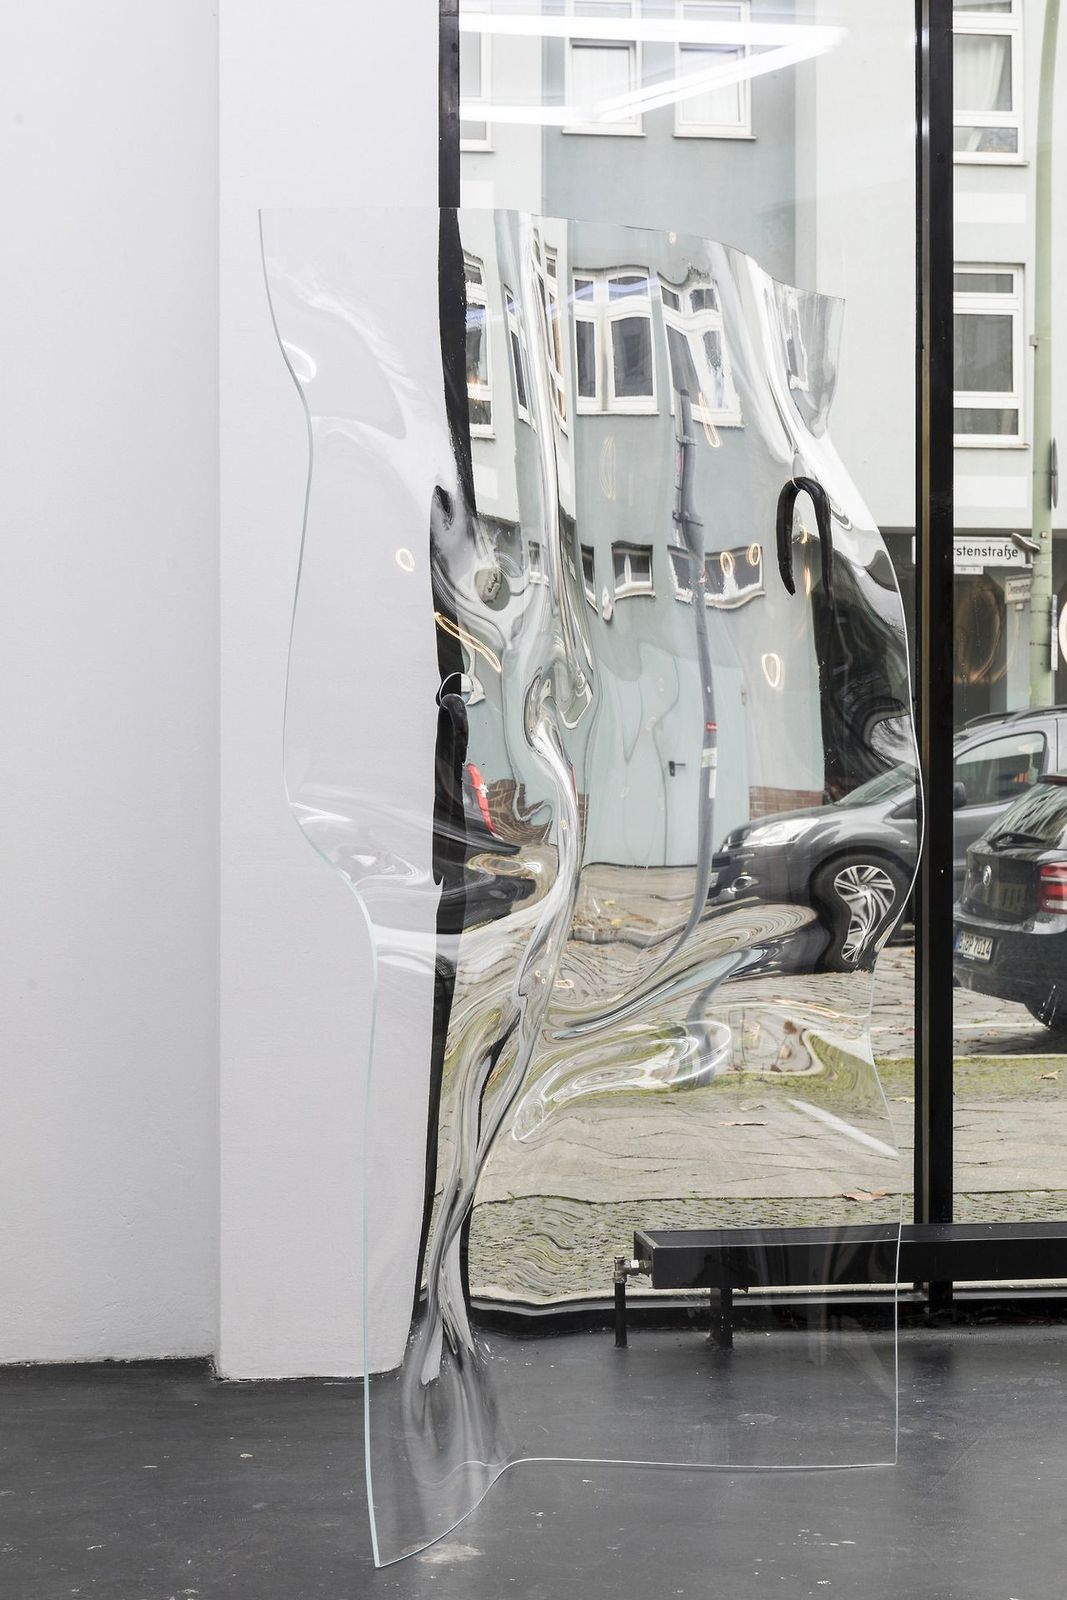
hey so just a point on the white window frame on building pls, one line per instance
(535, 563)
(475, 132)
(588, 559)
(595, 306)
(632, 569)
(681, 564)
(613, 11)
(480, 393)
(692, 321)
(695, 56)
(519, 363)
(982, 24)
(546, 265)
(977, 303)
(724, 565)
(794, 350)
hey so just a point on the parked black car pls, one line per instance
(853, 861)
(1010, 937)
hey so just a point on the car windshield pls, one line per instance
(1039, 815)
(886, 784)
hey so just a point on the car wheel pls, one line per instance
(1053, 1015)
(858, 897)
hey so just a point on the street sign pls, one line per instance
(985, 551)
(1018, 588)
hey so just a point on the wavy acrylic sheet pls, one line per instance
(546, 673)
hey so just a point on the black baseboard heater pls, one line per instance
(725, 1260)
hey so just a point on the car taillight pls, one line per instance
(481, 794)
(1052, 886)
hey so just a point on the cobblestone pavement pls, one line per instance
(1011, 1163)
(551, 1217)
(515, 1246)
(1010, 1156)
(983, 1026)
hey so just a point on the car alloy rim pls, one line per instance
(869, 893)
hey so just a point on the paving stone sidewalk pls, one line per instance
(983, 1026)
(1010, 1080)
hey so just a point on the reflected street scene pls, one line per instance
(676, 817)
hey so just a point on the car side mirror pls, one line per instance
(959, 795)
(907, 809)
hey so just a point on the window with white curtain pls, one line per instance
(988, 346)
(682, 572)
(632, 569)
(519, 364)
(547, 268)
(589, 574)
(603, 69)
(696, 347)
(479, 368)
(535, 563)
(987, 80)
(733, 577)
(720, 106)
(614, 364)
(474, 51)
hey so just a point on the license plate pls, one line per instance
(975, 946)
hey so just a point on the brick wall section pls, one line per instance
(766, 802)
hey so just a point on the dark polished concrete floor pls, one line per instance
(146, 1483)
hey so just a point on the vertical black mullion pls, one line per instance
(934, 600)
(448, 130)
(449, 824)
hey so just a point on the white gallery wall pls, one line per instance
(183, 987)
(321, 104)
(109, 681)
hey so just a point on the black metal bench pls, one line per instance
(723, 1260)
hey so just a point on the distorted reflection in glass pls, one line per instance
(681, 792)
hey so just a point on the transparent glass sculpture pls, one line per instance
(580, 556)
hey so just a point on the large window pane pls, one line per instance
(599, 72)
(983, 352)
(470, 65)
(717, 105)
(639, 329)
(477, 346)
(997, 420)
(985, 141)
(982, 70)
(683, 370)
(1010, 926)
(988, 333)
(631, 346)
(585, 335)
